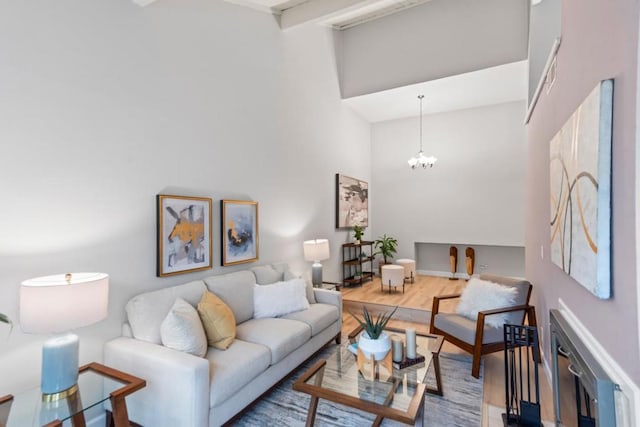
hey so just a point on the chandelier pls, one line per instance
(421, 159)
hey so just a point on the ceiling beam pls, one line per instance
(313, 10)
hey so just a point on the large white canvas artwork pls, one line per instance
(580, 179)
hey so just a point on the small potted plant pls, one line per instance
(358, 274)
(386, 246)
(358, 232)
(373, 339)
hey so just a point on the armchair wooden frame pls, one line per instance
(478, 349)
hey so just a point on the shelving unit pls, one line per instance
(357, 257)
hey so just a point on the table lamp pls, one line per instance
(56, 305)
(316, 250)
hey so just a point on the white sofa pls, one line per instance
(186, 390)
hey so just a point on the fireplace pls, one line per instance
(579, 378)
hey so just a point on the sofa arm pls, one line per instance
(177, 391)
(325, 296)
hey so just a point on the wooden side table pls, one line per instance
(96, 384)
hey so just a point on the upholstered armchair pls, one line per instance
(481, 336)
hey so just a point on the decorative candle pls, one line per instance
(396, 342)
(411, 343)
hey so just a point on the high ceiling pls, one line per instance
(495, 85)
(504, 83)
(491, 86)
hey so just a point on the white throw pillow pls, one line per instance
(481, 295)
(182, 329)
(279, 298)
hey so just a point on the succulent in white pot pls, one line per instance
(373, 339)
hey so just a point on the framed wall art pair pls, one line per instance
(185, 237)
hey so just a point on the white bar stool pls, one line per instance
(392, 275)
(409, 268)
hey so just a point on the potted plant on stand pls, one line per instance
(358, 232)
(373, 339)
(386, 246)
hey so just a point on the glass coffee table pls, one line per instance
(400, 397)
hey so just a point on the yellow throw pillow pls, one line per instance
(218, 321)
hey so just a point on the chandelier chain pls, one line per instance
(420, 97)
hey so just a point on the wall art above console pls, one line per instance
(352, 202)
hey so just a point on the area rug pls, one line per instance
(461, 405)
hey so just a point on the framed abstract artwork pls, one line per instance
(239, 231)
(580, 192)
(184, 234)
(352, 202)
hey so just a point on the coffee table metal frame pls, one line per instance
(414, 413)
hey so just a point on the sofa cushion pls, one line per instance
(182, 330)
(147, 311)
(266, 274)
(218, 321)
(236, 290)
(311, 297)
(279, 298)
(234, 368)
(465, 329)
(281, 336)
(318, 317)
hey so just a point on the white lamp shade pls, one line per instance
(53, 304)
(316, 250)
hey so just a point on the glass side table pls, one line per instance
(96, 384)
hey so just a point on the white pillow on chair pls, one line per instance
(481, 295)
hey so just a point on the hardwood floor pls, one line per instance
(415, 309)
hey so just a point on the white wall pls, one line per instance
(437, 39)
(474, 193)
(105, 104)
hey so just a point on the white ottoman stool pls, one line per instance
(409, 268)
(392, 275)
